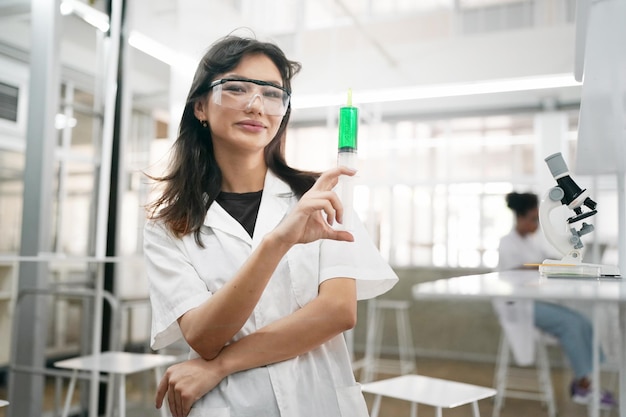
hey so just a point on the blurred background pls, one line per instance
(460, 101)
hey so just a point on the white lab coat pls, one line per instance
(183, 275)
(517, 316)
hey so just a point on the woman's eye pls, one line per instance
(235, 88)
(272, 93)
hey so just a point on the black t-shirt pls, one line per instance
(244, 207)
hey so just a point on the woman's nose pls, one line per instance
(255, 104)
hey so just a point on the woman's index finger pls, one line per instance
(329, 179)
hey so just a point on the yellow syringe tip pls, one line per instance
(349, 103)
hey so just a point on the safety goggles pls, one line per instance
(240, 94)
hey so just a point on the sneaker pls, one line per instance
(582, 395)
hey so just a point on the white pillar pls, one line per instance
(551, 133)
(29, 327)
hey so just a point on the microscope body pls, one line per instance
(567, 238)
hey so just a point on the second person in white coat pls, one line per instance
(519, 318)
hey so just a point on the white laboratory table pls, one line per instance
(523, 284)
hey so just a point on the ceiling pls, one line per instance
(365, 45)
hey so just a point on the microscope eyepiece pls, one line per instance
(571, 190)
(560, 172)
(557, 165)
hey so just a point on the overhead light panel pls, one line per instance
(137, 40)
(151, 47)
(160, 51)
(439, 91)
(93, 16)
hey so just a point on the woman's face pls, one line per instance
(250, 129)
(529, 222)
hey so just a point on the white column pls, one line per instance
(551, 133)
(29, 327)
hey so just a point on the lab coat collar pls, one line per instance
(274, 205)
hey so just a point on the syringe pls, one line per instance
(347, 156)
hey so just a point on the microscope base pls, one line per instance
(559, 268)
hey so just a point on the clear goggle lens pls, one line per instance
(241, 94)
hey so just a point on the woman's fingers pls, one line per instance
(183, 384)
(326, 201)
(326, 206)
(329, 179)
(334, 199)
(316, 212)
(187, 408)
(161, 391)
(342, 235)
(324, 184)
(171, 399)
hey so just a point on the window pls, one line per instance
(432, 192)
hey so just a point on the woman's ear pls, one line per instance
(200, 108)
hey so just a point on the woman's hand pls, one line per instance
(312, 218)
(185, 383)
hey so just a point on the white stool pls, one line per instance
(525, 383)
(371, 362)
(3, 403)
(117, 365)
(438, 393)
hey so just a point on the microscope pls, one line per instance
(567, 240)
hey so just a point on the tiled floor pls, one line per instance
(140, 401)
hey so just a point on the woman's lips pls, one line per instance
(251, 125)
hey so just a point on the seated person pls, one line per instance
(573, 330)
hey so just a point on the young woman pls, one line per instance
(519, 318)
(242, 257)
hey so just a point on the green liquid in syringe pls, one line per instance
(348, 126)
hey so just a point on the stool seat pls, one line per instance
(117, 365)
(122, 363)
(435, 392)
(3, 403)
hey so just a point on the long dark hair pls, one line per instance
(193, 179)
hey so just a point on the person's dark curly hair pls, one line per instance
(522, 203)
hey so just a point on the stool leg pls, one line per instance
(545, 381)
(370, 342)
(70, 393)
(475, 410)
(58, 389)
(502, 364)
(380, 322)
(110, 396)
(405, 340)
(413, 409)
(122, 394)
(376, 406)
(438, 411)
